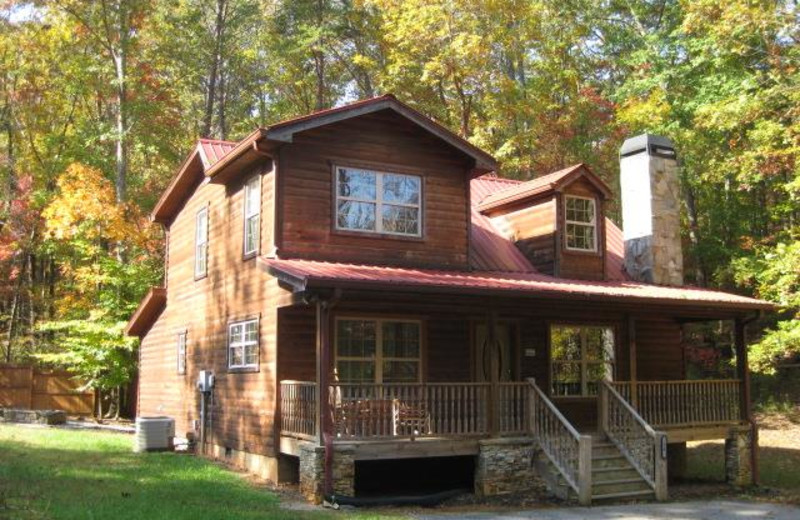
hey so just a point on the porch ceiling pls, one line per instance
(309, 275)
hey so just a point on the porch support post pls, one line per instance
(494, 376)
(742, 371)
(323, 412)
(745, 403)
(634, 377)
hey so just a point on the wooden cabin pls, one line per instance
(366, 290)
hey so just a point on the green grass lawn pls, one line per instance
(63, 474)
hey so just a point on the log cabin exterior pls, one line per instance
(364, 287)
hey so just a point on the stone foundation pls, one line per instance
(738, 456)
(504, 466)
(48, 417)
(312, 472)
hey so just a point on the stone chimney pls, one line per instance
(651, 216)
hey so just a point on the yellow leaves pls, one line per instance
(86, 209)
(645, 113)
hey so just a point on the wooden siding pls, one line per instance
(387, 142)
(242, 415)
(659, 349)
(578, 264)
(533, 229)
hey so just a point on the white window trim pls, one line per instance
(583, 361)
(379, 358)
(378, 201)
(254, 214)
(182, 348)
(592, 224)
(243, 344)
(201, 241)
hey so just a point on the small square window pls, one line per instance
(243, 344)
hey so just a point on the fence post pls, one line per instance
(585, 470)
(660, 450)
(31, 387)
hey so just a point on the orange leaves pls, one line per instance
(86, 208)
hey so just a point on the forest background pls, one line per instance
(100, 100)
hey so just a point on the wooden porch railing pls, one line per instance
(644, 447)
(299, 409)
(670, 404)
(569, 451)
(367, 411)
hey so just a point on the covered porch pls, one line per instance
(488, 381)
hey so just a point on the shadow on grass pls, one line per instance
(41, 476)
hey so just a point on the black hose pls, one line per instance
(429, 500)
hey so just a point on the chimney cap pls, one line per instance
(653, 144)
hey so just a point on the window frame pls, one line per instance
(583, 361)
(243, 344)
(202, 211)
(379, 358)
(246, 218)
(182, 348)
(378, 202)
(592, 224)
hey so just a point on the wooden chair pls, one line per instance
(410, 418)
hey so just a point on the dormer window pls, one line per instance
(581, 223)
(378, 202)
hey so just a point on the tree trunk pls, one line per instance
(694, 239)
(213, 73)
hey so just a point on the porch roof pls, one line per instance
(310, 274)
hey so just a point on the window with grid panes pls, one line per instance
(378, 350)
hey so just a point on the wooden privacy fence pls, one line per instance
(28, 387)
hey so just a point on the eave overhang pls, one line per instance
(148, 311)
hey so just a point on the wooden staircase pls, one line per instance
(613, 477)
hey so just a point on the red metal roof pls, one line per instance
(310, 273)
(540, 186)
(489, 249)
(212, 150)
(615, 253)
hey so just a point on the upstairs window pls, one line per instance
(580, 357)
(243, 344)
(252, 214)
(581, 223)
(378, 351)
(201, 243)
(182, 353)
(378, 202)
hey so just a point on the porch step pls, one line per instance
(628, 494)
(620, 486)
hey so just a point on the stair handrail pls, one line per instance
(568, 450)
(643, 446)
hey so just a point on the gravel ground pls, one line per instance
(706, 510)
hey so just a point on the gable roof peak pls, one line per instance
(543, 185)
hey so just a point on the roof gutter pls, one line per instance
(240, 149)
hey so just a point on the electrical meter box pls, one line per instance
(205, 381)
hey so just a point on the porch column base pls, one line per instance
(738, 456)
(504, 466)
(312, 472)
(676, 460)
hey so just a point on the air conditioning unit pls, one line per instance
(154, 433)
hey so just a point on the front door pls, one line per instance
(482, 353)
